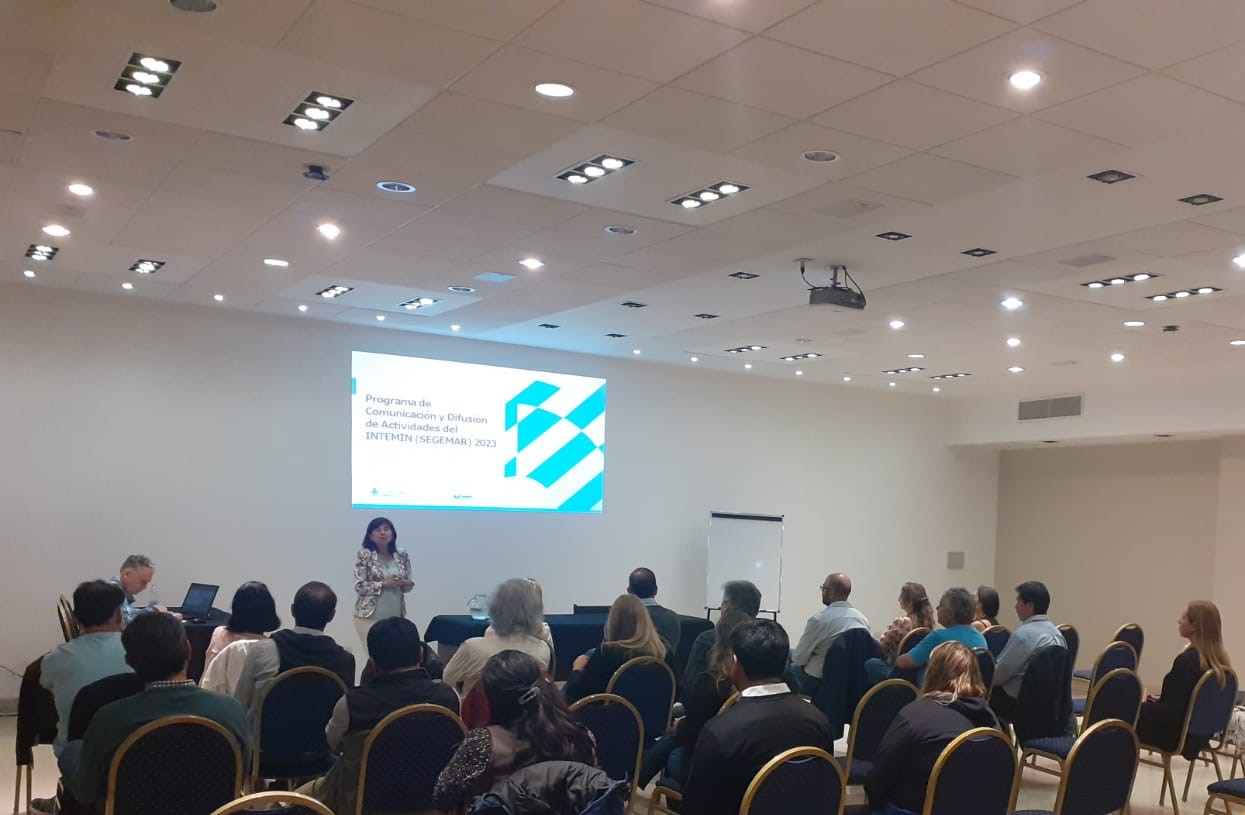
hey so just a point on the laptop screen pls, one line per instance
(199, 598)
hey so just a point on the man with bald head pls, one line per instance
(823, 628)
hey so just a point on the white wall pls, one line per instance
(1125, 533)
(217, 442)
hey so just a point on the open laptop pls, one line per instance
(197, 606)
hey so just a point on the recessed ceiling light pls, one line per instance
(747, 365)
(635, 351)
(56, 231)
(847, 379)
(1239, 260)
(1134, 323)
(730, 189)
(328, 230)
(577, 179)
(1158, 298)
(81, 190)
(1111, 176)
(333, 292)
(821, 155)
(593, 171)
(1015, 369)
(416, 303)
(893, 236)
(154, 64)
(1237, 343)
(29, 274)
(380, 318)
(1201, 199)
(455, 327)
(621, 230)
(304, 124)
(145, 266)
(394, 186)
(319, 114)
(276, 262)
(1012, 303)
(1095, 284)
(689, 203)
(1025, 80)
(302, 307)
(1013, 342)
(978, 252)
(1206, 290)
(460, 289)
(317, 111)
(709, 195)
(328, 101)
(897, 324)
(145, 77)
(936, 389)
(695, 359)
(1117, 281)
(532, 263)
(1117, 357)
(555, 90)
(892, 385)
(137, 90)
(1182, 294)
(220, 298)
(1143, 276)
(128, 286)
(916, 356)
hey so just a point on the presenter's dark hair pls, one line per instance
(371, 527)
(314, 605)
(988, 597)
(95, 602)
(762, 648)
(253, 610)
(642, 583)
(524, 700)
(742, 595)
(393, 644)
(155, 646)
(1034, 592)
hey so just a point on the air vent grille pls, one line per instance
(1054, 408)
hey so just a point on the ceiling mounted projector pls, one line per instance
(843, 291)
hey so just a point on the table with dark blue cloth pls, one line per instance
(200, 636)
(573, 634)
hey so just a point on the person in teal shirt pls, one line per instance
(955, 613)
(157, 649)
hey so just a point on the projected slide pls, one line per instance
(430, 434)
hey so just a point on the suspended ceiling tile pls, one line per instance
(913, 115)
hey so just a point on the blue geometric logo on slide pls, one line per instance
(554, 468)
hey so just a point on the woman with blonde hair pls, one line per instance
(629, 633)
(917, 613)
(1162, 716)
(953, 701)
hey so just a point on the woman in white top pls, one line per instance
(517, 613)
(253, 613)
(382, 577)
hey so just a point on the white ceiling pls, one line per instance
(912, 95)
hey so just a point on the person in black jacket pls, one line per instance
(953, 701)
(768, 719)
(643, 584)
(629, 633)
(1162, 717)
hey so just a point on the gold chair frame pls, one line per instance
(259, 799)
(69, 623)
(253, 775)
(1103, 725)
(949, 751)
(919, 631)
(790, 755)
(869, 694)
(729, 703)
(1034, 755)
(632, 663)
(613, 699)
(110, 801)
(375, 732)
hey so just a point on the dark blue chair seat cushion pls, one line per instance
(1055, 745)
(860, 768)
(1078, 707)
(1033, 812)
(1233, 786)
(1083, 673)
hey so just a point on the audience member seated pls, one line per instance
(987, 612)
(518, 614)
(955, 614)
(545, 634)
(701, 701)
(137, 572)
(737, 595)
(394, 647)
(425, 657)
(953, 701)
(529, 724)
(822, 628)
(86, 704)
(304, 645)
(1162, 717)
(157, 649)
(768, 719)
(1035, 631)
(643, 584)
(252, 615)
(629, 633)
(917, 613)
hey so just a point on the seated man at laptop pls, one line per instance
(157, 649)
(304, 645)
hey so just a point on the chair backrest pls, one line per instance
(996, 638)
(843, 678)
(1099, 771)
(616, 726)
(648, 684)
(276, 803)
(576, 608)
(1073, 639)
(729, 703)
(293, 711)
(875, 713)
(985, 663)
(1116, 696)
(150, 772)
(975, 773)
(912, 639)
(1132, 634)
(68, 623)
(407, 749)
(1210, 708)
(1118, 654)
(1044, 704)
(802, 779)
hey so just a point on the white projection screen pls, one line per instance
(432, 434)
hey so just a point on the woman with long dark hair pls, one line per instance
(529, 723)
(382, 577)
(252, 615)
(987, 613)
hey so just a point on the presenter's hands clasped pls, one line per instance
(397, 583)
